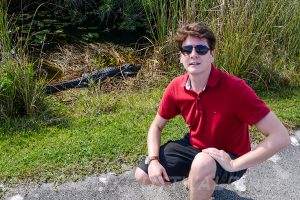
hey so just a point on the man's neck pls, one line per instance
(199, 81)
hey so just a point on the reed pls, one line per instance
(5, 39)
(21, 91)
(257, 40)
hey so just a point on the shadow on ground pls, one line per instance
(222, 193)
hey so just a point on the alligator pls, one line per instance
(86, 79)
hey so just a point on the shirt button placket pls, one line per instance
(198, 102)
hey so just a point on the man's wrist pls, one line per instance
(149, 159)
(234, 166)
(153, 161)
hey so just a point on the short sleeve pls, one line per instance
(167, 107)
(248, 107)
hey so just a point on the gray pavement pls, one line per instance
(277, 178)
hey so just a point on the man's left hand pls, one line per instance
(222, 157)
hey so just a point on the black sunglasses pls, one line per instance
(200, 49)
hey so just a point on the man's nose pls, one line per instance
(194, 53)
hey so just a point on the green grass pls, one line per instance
(285, 104)
(99, 133)
(105, 132)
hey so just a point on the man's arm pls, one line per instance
(156, 171)
(276, 139)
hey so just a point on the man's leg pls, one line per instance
(175, 156)
(141, 176)
(201, 178)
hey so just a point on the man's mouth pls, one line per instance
(194, 63)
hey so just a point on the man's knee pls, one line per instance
(203, 166)
(201, 178)
(141, 176)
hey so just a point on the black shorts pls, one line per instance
(177, 157)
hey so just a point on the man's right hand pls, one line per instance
(157, 173)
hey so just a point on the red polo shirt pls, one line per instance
(220, 115)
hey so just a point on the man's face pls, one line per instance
(193, 62)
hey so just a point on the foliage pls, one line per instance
(164, 16)
(254, 42)
(92, 141)
(21, 92)
(97, 132)
(5, 39)
(257, 40)
(79, 19)
(102, 134)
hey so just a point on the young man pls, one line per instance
(218, 108)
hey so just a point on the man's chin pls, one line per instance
(195, 72)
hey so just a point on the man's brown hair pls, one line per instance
(198, 30)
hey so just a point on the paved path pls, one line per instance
(277, 178)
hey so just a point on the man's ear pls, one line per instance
(212, 53)
(179, 57)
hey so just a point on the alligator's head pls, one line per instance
(130, 69)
